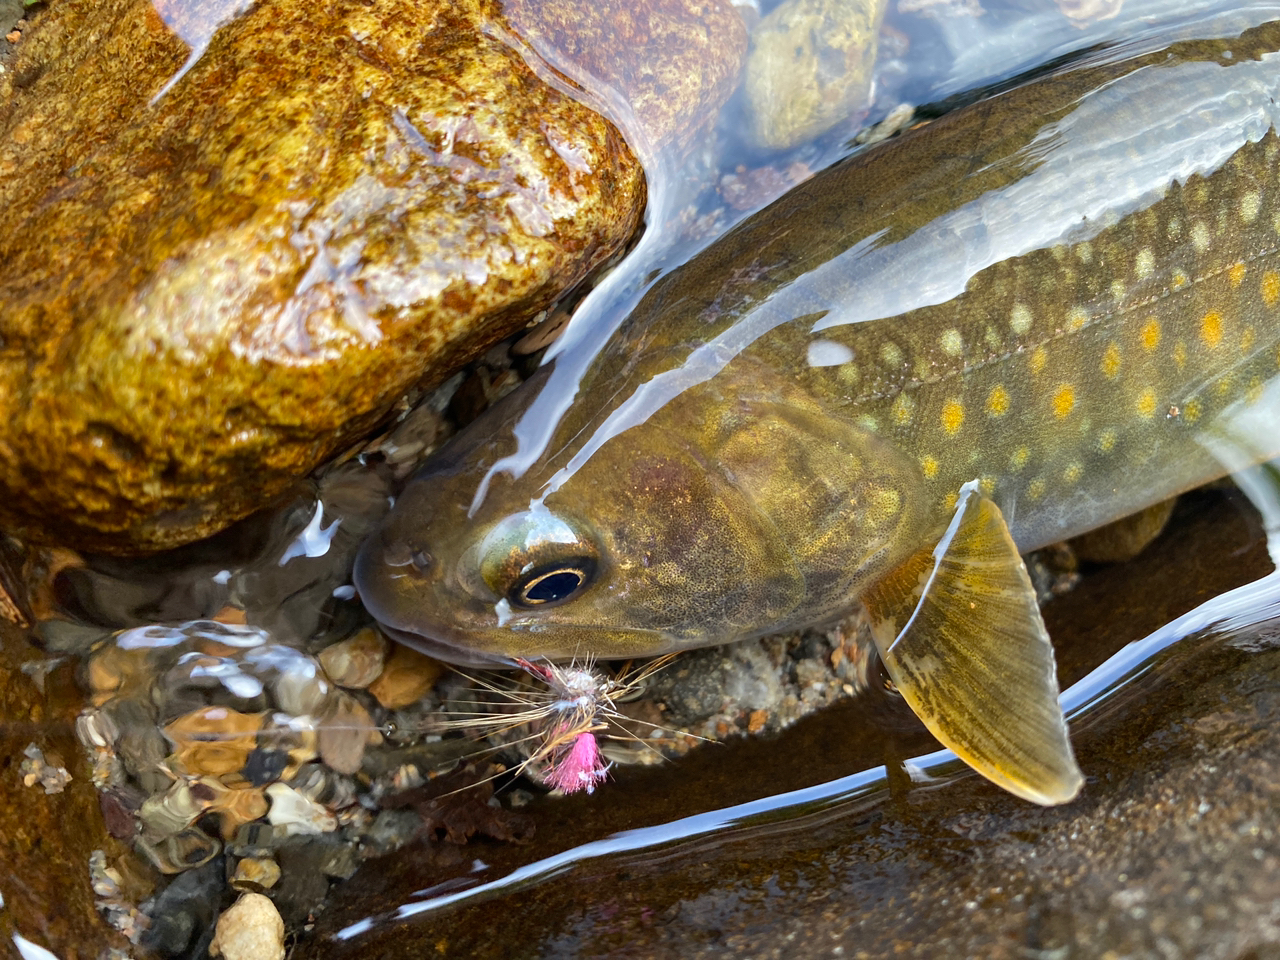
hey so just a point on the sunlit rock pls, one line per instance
(218, 270)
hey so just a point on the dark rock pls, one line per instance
(183, 913)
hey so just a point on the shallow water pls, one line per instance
(708, 885)
(715, 878)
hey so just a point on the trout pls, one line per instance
(1026, 319)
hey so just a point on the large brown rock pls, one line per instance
(47, 838)
(206, 293)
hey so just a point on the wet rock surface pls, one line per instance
(212, 283)
(810, 67)
(46, 836)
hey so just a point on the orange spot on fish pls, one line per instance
(1271, 288)
(1151, 334)
(998, 401)
(1146, 404)
(1211, 328)
(1064, 401)
(952, 416)
(1236, 274)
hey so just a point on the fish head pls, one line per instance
(712, 522)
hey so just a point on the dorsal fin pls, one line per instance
(961, 635)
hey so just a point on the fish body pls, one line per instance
(1062, 302)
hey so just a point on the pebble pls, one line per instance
(183, 910)
(250, 929)
(345, 731)
(406, 678)
(234, 807)
(256, 874)
(49, 771)
(301, 693)
(213, 741)
(295, 814)
(164, 815)
(117, 672)
(356, 661)
(180, 853)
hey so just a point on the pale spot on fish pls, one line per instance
(1177, 280)
(1072, 473)
(998, 401)
(1077, 317)
(1211, 329)
(1085, 252)
(1039, 357)
(1254, 393)
(929, 466)
(1144, 264)
(1146, 405)
(1019, 459)
(987, 485)
(1064, 401)
(1174, 230)
(1117, 289)
(949, 502)
(951, 342)
(828, 353)
(1200, 236)
(1191, 412)
(952, 416)
(1180, 355)
(891, 354)
(869, 423)
(1250, 204)
(1110, 365)
(1035, 489)
(1246, 339)
(904, 408)
(1020, 318)
(1226, 384)
(1236, 274)
(1106, 440)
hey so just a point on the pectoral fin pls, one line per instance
(961, 635)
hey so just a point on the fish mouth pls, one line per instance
(458, 656)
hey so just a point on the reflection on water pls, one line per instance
(244, 723)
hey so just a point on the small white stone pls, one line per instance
(250, 929)
(295, 813)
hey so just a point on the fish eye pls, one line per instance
(534, 559)
(552, 583)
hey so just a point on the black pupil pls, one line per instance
(553, 586)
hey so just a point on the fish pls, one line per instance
(1018, 322)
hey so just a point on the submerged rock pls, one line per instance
(47, 839)
(219, 270)
(810, 68)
